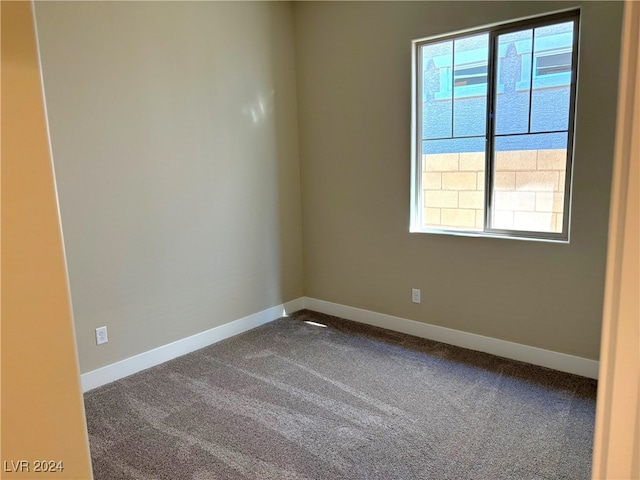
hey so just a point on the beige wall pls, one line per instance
(174, 138)
(354, 90)
(41, 404)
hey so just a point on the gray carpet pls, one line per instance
(291, 400)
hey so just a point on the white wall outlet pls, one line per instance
(101, 335)
(415, 295)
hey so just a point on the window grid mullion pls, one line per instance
(533, 46)
(543, 132)
(462, 137)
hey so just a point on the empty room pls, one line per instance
(320, 240)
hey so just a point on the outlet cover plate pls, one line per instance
(101, 335)
(415, 295)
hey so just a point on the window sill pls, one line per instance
(495, 235)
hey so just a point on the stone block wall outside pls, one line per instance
(528, 188)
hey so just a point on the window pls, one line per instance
(471, 75)
(550, 63)
(493, 130)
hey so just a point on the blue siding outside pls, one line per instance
(549, 112)
(450, 112)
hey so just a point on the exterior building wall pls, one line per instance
(528, 186)
(549, 109)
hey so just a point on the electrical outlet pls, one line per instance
(415, 295)
(101, 335)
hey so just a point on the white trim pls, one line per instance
(151, 358)
(516, 351)
(536, 356)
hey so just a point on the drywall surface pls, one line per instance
(174, 136)
(42, 410)
(354, 99)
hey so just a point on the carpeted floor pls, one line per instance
(290, 400)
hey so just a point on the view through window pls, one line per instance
(494, 130)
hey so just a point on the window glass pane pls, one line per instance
(552, 77)
(437, 60)
(551, 63)
(470, 85)
(529, 182)
(453, 184)
(513, 82)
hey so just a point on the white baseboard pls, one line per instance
(536, 356)
(151, 358)
(516, 351)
